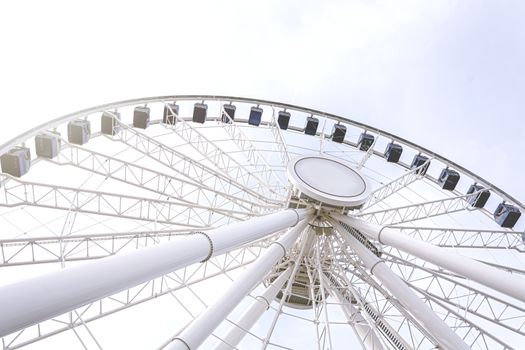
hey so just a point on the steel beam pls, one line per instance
(183, 164)
(31, 301)
(282, 148)
(131, 297)
(394, 186)
(467, 238)
(418, 211)
(15, 192)
(221, 159)
(160, 99)
(362, 329)
(261, 303)
(47, 249)
(497, 279)
(253, 155)
(368, 153)
(436, 326)
(197, 332)
(379, 305)
(132, 173)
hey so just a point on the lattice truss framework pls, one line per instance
(118, 194)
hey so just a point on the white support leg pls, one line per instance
(37, 299)
(253, 312)
(497, 279)
(195, 334)
(360, 325)
(444, 335)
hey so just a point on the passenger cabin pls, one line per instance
(200, 110)
(448, 179)
(16, 161)
(255, 116)
(338, 133)
(311, 126)
(478, 200)
(393, 152)
(47, 146)
(506, 215)
(283, 119)
(79, 131)
(228, 113)
(365, 141)
(109, 124)
(171, 111)
(141, 117)
(418, 161)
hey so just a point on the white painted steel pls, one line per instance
(426, 316)
(221, 197)
(260, 304)
(195, 334)
(363, 330)
(273, 104)
(395, 185)
(329, 180)
(31, 301)
(497, 279)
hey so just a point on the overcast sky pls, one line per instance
(445, 74)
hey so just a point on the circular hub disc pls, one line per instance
(329, 180)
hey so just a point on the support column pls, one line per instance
(253, 312)
(39, 298)
(360, 325)
(497, 279)
(406, 296)
(201, 327)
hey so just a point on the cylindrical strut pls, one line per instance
(406, 296)
(37, 299)
(253, 312)
(361, 327)
(195, 334)
(497, 279)
(261, 303)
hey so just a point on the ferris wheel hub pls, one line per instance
(329, 180)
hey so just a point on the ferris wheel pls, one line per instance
(218, 222)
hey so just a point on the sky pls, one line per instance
(447, 75)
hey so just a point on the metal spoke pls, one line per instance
(46, 249)
(490, 277)
(17, 192)
(222, 160)
(414, 212)
(184, 165)
(129, 298)
(296, 259)
(460, 295)
(148, 207)
(253, 155)
(505, 267)
(471, 331)
(466, 238)
(367, 154)
(368, 325)
(147, 178)
(388, 189)
(364, 327)
(381, 306)
(317, 295)
(279, 139)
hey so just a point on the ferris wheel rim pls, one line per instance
(102, 108)
(113, 105)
